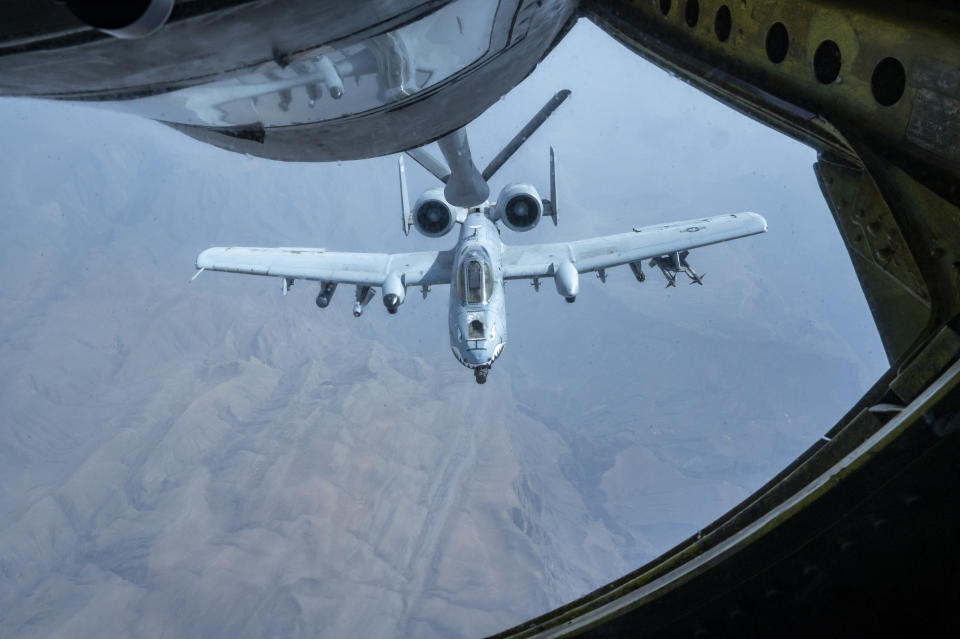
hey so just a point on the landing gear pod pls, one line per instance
(327, 289)
(123, 18)
(394, 293)
(567, 280)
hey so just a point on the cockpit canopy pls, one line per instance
(474, 280)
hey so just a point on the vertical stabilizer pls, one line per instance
(404, 199)
(553, 186)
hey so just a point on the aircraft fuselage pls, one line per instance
(477, 316)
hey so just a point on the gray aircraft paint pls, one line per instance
(479, 240)
(478, 323)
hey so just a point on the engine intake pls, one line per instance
(433, 215)
(519, 206)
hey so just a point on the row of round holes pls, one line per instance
(887, 82)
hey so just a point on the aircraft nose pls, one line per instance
(477, 356)
(482, 356)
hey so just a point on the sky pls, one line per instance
(214, 458)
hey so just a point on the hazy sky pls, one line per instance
(215, 459)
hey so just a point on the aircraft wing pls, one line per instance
(371, 269)
(541, 260)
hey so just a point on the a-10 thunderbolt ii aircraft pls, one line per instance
(477, 266)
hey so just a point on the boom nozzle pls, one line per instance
(465, 186)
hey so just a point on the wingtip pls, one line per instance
(763, 221)
(205, 258)
(759, 218)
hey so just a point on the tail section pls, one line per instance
(550, 206)
(405, 212)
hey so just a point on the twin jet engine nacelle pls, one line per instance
(519, 206)
(433, 215)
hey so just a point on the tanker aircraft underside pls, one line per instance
(477, 266)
